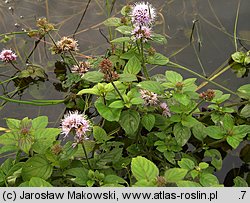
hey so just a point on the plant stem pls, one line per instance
(74, 59)
(18, 154)
(116, 89)
(198, 104)
(9, 80)
(217, 142)
(85, 152)
(197, 74)
(235, 27)
(145, 71)
(15, 66)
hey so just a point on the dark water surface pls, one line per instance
(213, 43)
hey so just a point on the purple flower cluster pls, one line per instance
(78, 123)
(143, 15)
(143, 33)
(7, 55)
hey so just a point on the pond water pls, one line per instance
(213, 43)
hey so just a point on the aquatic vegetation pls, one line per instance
(128, 126)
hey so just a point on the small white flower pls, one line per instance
(165, 110)
(81, 69)
(150, 98)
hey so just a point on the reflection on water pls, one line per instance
(212, 45)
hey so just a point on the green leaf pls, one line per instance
(228, 122)
(36, 166)
(187, 183)
(13, 124)
(120, 40)
(133, 66)
(173, 77)
(208, 180)
(148, 121)
(40, 122)
(137, 101)
(112, 22)
(241, 130)
(175, 174)
(233, 141)
(158, 38)
(244, 91)
(215, 132)
(189, 121)
(25, 144)
(8, 148)
(238, 57)
(117, 104)
(100, 135)
(93, 90)
(144, 169)
(126, 77)
(199, 131)
(240, 182)
(186, 163)
(125, 30)
(36, 182)
(203, 165)
(152, 86)
(9, 138)
(93, 76)
(145, 183)
(80, 175)
(158, 59)
(245, 112)
(113, 179)
(107, 113)
(182, 98)
(182, 134)
(216, 158)
(129, 121)
(44, 139)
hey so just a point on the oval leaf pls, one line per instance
(37, 166)
(144, 169)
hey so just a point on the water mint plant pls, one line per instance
(123, 125)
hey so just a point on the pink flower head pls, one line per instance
(142, 32)
(150, 98)
(74, 121)
(143, 14)
(7, 55)
(165, 110)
